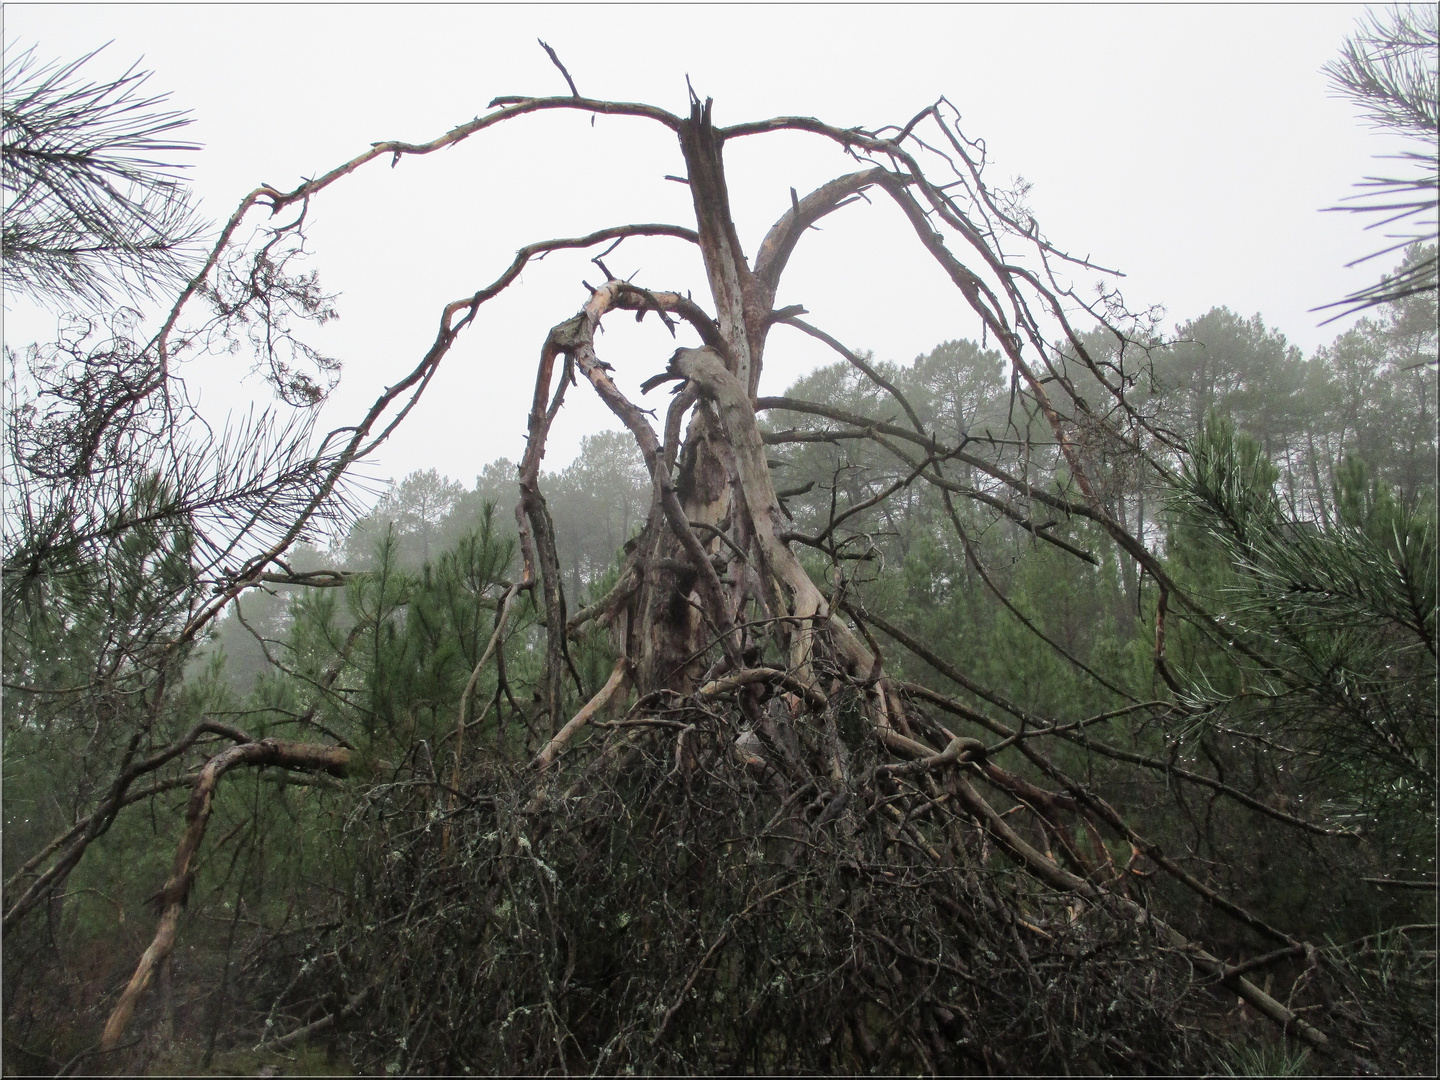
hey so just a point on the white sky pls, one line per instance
(1189, 146)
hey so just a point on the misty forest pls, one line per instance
(1061, 700)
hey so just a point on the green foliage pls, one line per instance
(1388, 70)
(91, 207)
(1266, 1059)
(1343, 617)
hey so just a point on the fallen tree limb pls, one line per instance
(618, 676)
(1062, 880)
(99, 821)
(290, 1038)
(753, 675)
(334, 760)
(1077, 737)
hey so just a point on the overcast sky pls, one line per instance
(1190, 146)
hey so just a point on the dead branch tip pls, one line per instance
(556, 61)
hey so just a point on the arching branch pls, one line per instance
(172, 897)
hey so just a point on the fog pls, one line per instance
(1191, 148)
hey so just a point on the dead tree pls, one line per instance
(714, 615)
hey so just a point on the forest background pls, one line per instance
(1210, 600)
